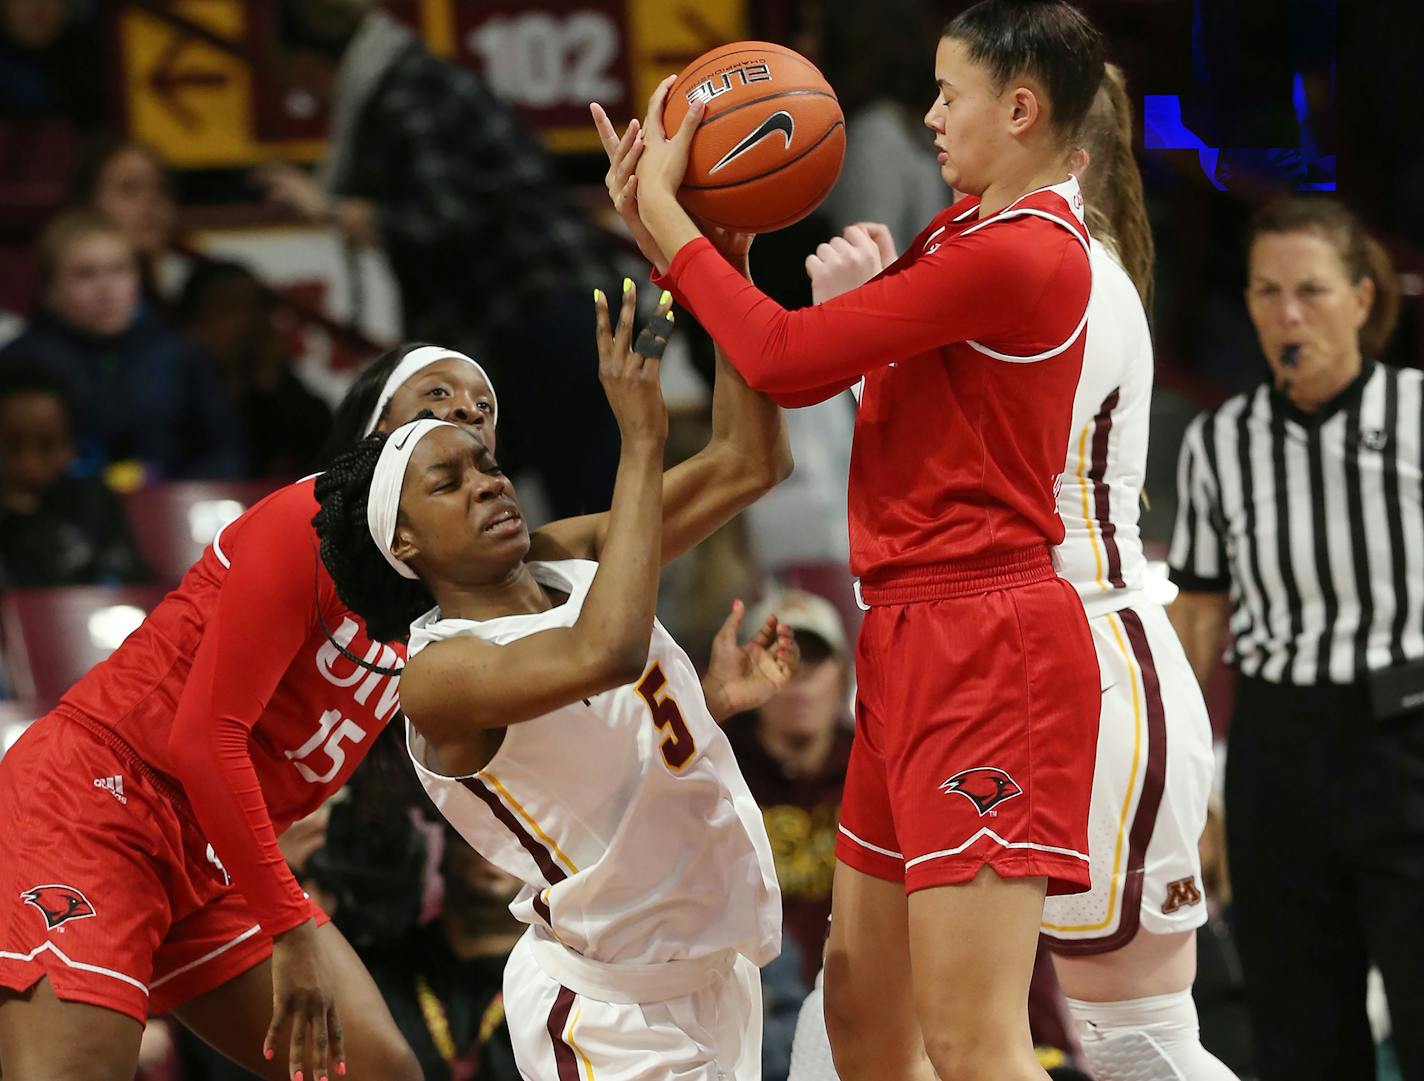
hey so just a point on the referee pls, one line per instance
(1300, 519)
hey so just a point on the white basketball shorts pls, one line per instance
(1150, 788)
(559, 1034)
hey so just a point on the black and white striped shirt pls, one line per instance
(1314, 522)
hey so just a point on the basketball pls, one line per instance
(771, 143)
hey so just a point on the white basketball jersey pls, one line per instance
(1101, 554)
(626, 816)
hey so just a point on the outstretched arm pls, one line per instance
(258, 628)
(747, 455)
(748, 452)
(978, 288)
(452, 689)
(242, 658)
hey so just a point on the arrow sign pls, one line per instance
(167, 82)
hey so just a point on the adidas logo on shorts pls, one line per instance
(113, 785)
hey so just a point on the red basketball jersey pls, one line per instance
(232, 688)
(970, 346)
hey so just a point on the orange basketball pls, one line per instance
(771, 143)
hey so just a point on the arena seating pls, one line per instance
(53, 636)
(174, 522)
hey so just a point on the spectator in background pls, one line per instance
(878, 54)
(50, 64)
(126, 181)
(441, 978)
(225, 310)
(793, 752)
(141, 393)
(491, 253)
(444, 980)
(55, 529)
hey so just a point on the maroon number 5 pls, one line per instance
(677, 745)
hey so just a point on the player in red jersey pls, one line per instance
(970, 777)
(141, 871)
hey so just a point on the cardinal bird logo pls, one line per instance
(983, 786)
(59, 904)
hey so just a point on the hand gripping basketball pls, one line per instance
(771, 138)
(664, 160)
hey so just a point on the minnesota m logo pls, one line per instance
(1180, 894)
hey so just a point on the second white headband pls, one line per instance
(413, 362)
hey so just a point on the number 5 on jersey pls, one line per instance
(677, 745)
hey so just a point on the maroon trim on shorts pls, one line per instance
(542, 908)
(564, 1059)
(551, 871)
(1145, 820)
(1102, 428)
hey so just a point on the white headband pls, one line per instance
(383, 502)
(414, 361)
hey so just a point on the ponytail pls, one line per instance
(1363, 255)
(1116, 211)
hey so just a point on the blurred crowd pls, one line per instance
(130, 359)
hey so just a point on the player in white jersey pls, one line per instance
(562, 731)
(1124, 951)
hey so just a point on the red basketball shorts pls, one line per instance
(976, 727)
(106, 887)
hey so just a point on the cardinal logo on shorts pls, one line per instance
(984, 786)
(59, 904)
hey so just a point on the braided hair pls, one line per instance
(365, 582)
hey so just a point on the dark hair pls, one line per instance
(27, 377)
(320, 26)
(94, 158)
(207, 274)
(1112, 188)
(365, 582)
(348, 424)
(1363, 255)
(1048, 40)
(372, 852)
(879, 51)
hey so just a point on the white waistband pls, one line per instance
(624, 983)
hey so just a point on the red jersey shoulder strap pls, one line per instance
(1061, 204)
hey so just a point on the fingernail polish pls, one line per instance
(341, 1069)
(627, 284)
(267, 1053)
(667, 296)
(297, 1076)
(323, 1077)
(597, 295)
